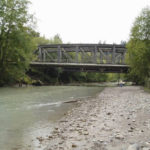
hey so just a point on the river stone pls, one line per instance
(119, 137)
(74, 145)
(145, 148)
(50, 136)
(86, 133)
(108, 113)
(134, 147)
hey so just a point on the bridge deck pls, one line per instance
(106, 68)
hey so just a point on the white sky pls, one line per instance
(87, 21)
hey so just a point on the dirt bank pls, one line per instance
(116, 119)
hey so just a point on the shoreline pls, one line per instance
(90, 84)
(117, 118)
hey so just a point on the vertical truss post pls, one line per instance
(59, 54)
(40, 53)
(82, 57)
(123, 57)
(101, 58)
(44, 55)
(107, 57)
(95, 55)
(77, 53)
(113, 54)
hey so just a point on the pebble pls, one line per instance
(86, 133)
(50, 136)
(119, 137)
(130, 130)
(109, 113)
(63, 121)
(101, 141)
(74, 145)
(61, 142)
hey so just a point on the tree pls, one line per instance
(47, 75)
(16, 37)
(41, 40)
(56, 39)
(139, 47)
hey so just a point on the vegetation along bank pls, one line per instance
(19, 40)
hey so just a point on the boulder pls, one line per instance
(134, 147)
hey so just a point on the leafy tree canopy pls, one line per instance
(16, 42)
(39, 40)
(139, 47)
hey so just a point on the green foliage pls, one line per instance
(55, 76)
(56, 40)
(47, 76)
(139, 48)
(113, 77)
(96, 77)
(16, 42)
(41, 40)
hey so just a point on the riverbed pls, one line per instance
(30, 112)
(117, 119)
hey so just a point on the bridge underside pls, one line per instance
(79, 67)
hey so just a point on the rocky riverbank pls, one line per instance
(117, 119)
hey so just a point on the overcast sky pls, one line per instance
(87, 21)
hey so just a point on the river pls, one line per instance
(30, 112)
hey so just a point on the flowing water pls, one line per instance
(30, 112)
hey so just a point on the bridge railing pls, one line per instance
(82, 53)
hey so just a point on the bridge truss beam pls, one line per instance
(82, 53)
